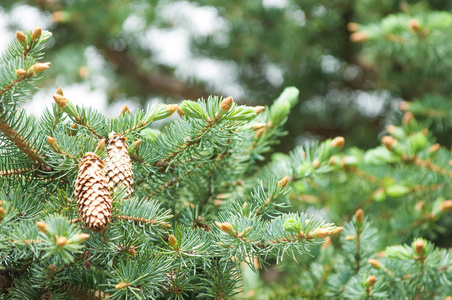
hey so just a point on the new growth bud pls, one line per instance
(374, 263)
(21, 72)
(124, 110)
(404, 105)
(414, 25)
(446, 206)
(258, 109)
(352, 26)
(171, 108)
(121, 285)
(226, 103)
(259, 126)
(359, 37)
(338, 142)
(321, 233)
(36, 33)
(2, 213)
(283, 182)
(40, 67)
(59, 91)
(52, 143)
(371, 280)
(359, 215)
(419, 246)
(434, 148)
(60, 100)
(180, 111)
(172, 240)
(21, 37)
(226, 227)
(42, 226)
(389, 142)
(61, 241)
(82, 237)
(407, 117)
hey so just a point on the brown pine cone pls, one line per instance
(92, 193)
(118, 166)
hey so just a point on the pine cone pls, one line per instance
(92, 193)
(118, 166)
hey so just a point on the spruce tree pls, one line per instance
(95, 207)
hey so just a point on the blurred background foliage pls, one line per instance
(137, 51)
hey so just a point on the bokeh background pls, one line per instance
(110, 53)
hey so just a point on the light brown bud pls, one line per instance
(61, 241)
(172, 240)
(21, 72)
(352, 26)
(359, 37)
(226, 227)
(60, 100)
(407, 118)
(83, 72)
(42, 226)
(388, 142)
(350, 237)
(226, 103)
(171, 108)
(419, 205)
(336, 230)
(414, 25)
(359, 215)
(137, 143)
(132, 250)
(82, 237)
(21, 37)
(2, 213)
(419, 246)
(36, 33)
(59, 91)
(124, 110)
(404, 105)
(100, 145)
(374, 263)
(259, 126)
(321, 233)
(180, 111)
(52, 143)
(121, 285)
(316, 163)
(338, 142)
(258, 109)
(390, 129)
(371, 280)
(40, 67)
(424, 131)
(446, 206)
(218, 224)
(434, 148)
(283, 182)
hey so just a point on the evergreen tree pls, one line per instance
(96, 207)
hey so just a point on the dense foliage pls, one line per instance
(214, 214)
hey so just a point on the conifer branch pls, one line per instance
(20, 142)
(20, 79)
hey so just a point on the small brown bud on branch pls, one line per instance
(371, 280)
(359, 37)
(359, 215)
(259, 126)
(352, 26)
(61, 241)
(226, 103)
(374, 263)
(21, 37)
(258, 109)
(321, 233)
(446, 206)
(36, 33)
(434, 148)
(172, 240)
(42, 226)
(60, 100)
(419, 246)
(407, 118)
(124, 110)
(389, 142)
(121, 285)
(283, 182)
(82, 237)
(338, 142)
(40, 67)
(21, 73)
(226, 227)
